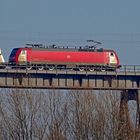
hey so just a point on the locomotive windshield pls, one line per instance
(14, 51)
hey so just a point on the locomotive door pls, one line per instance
(112, 58)
(23, 57)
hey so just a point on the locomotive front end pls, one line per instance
(114, 60)
(18, 56)
(12, 57)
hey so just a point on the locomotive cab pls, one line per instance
(113, 59)
(18, 56)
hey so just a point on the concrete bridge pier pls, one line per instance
(127, 131)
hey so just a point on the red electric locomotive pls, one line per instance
(53, 56)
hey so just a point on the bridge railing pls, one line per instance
(129, 68)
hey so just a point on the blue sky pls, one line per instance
(115, 23)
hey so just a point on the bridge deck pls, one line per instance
(69, 79)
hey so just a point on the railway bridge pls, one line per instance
(126, 80)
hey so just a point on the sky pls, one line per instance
(115, 23)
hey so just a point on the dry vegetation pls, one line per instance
(59, 115)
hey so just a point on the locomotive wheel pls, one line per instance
(103, 70)
(51, 67)
(28, 67)
(91, 69)
(41, 68)
(81, 68)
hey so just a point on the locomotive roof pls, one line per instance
(66, 48)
